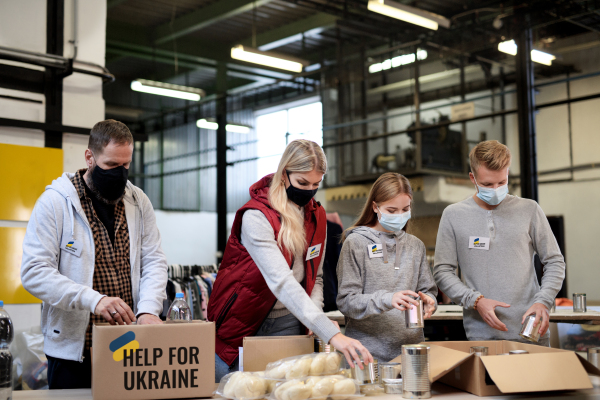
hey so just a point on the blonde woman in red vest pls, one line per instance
(270, 281)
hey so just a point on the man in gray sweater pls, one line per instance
(493, 237)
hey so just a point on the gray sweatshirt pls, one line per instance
(517, 229)
(367, 285)
(258, 238)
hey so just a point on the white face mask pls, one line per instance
(493, 197)
(393, 222)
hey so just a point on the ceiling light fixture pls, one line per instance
(510, 47)
(167, 89)
(213, 126)
(408, 14)
(398, 61)
(268, 58)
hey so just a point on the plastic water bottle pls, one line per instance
(6, 337)
(178, 312)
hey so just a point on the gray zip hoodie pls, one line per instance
(367, 284)
(64, 281)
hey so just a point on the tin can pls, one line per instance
(513, 352)
(553, 308)
(479, 350)
(593, 356)
(414, 316)
(389, 371)
(415, 372)
(324, 347)
(579, 302)
(393, 386)
(368, 375)
(528, 331)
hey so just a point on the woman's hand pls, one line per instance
(311, 333)
(349, 347)
(428, 305)
(401, 301)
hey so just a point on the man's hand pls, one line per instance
(148, 319)
(115, 311)
(540, 311)
(486, 308)
(428, 305)
(401, 301)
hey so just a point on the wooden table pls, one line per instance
(454, 313)
(439, 391)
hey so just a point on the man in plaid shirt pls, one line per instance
(92, 254)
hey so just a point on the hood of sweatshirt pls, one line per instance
(375, 236)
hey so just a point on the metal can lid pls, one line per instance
(518, 352)
(579, 294)
(415, 349)
(593, 350)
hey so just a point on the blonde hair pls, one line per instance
(299, 156)
(492, 154)
(385, 188)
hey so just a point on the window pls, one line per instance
(276, 129)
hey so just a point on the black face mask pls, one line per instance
(110, 182)
(299, 196)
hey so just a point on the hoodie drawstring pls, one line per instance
(70, 206)
(384, 245)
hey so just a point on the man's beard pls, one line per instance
(90, 183)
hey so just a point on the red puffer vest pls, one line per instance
(241, 300)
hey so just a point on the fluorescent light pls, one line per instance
(167, 89)
(267, 58)
(398, 61)
(213, 126)
(510, 47)
(408, 14)
(542, 58)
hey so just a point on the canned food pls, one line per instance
(368, 375)
(415, 372)
(389, 371)
(593, 353)
(393, 386)
(324, 347)
(528, 331)
(579, 302)
(414, 316)
(513, 352)
(479, 350)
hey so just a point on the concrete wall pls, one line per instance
(23, 26)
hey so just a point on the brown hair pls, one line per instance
(385, 188)
(108, 131)
(492, 154)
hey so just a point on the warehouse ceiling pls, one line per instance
(181, 41)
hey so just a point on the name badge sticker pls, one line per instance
(71, 246)
(313, 252)
(375, 250)
(479, 243)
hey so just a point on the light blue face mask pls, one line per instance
(393, 222)
(492, 196)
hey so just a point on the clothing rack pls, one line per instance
(196, 282)
(185, 271)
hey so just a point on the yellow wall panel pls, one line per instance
(24, 173)
(11, 254)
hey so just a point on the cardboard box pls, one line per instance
(261, 350)
(153, 361)
(543, 369)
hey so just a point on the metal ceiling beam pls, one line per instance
(203, 17)
(291, 32)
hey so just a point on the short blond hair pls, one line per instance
(492, 154)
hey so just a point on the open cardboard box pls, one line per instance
(261, 350)
(543, 369)
(153, 361)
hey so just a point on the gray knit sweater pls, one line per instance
(517, 229)
(367, 285)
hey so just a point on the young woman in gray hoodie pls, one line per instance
(380, 267)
